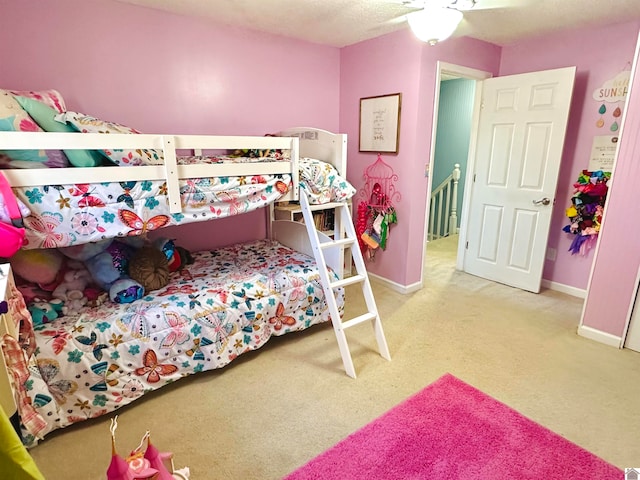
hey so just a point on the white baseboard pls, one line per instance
(560, 287)
(599, 336)
(404, 289)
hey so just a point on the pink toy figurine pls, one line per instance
(139, 465)
(162, 462)
(120, 469)
(150, 465)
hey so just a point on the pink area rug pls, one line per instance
(450, 430)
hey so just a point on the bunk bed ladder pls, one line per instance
(329, 252)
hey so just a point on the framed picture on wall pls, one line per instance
(380, 123)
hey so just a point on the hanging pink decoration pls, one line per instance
(376, 212)
(361, 224)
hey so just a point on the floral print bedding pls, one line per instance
(72, 214)
(322, 183)
(228, 302)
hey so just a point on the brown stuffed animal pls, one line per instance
(149, 267)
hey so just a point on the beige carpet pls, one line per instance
(274, 409)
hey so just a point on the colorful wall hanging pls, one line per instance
(376, 213)
(612, 91)
(585, 212)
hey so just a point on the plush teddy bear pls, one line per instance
(107, 261)
(75, 301)
(72, 290)
(43, 311)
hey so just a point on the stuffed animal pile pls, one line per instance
(108, 263)
(64, 281)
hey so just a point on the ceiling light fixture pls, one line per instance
(433, 25)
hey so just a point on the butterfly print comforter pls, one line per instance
(228, 302)
(71, 214)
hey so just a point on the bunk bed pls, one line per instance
(226, 302)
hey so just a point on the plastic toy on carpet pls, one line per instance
(148, 465)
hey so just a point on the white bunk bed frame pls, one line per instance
(171, 172)
(302, 141)
(322, 145)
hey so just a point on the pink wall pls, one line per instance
(590, 50)
(612, 286)
(598, 54)
(399, 63)
(160, 73)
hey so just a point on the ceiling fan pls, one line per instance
(433, 21)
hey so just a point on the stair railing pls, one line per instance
(443, 211)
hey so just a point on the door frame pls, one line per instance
(460, 71)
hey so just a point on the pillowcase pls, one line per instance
(322, 182)
(48, 97)
(14, 119)
(89, 124)
(44, 117)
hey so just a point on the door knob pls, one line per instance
(542, 201)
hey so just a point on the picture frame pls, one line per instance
(380, 123)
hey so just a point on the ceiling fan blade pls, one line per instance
(496, 4)
(471, 9)
(463, 5)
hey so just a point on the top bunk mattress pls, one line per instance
(71, 214)
(75, 213)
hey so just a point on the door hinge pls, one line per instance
(466, 245)
(474, 178)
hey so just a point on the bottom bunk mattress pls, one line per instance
(226, 303)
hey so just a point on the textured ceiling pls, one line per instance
(344, 22)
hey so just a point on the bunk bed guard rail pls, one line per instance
(171, 172)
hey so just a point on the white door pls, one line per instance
(517, 158)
